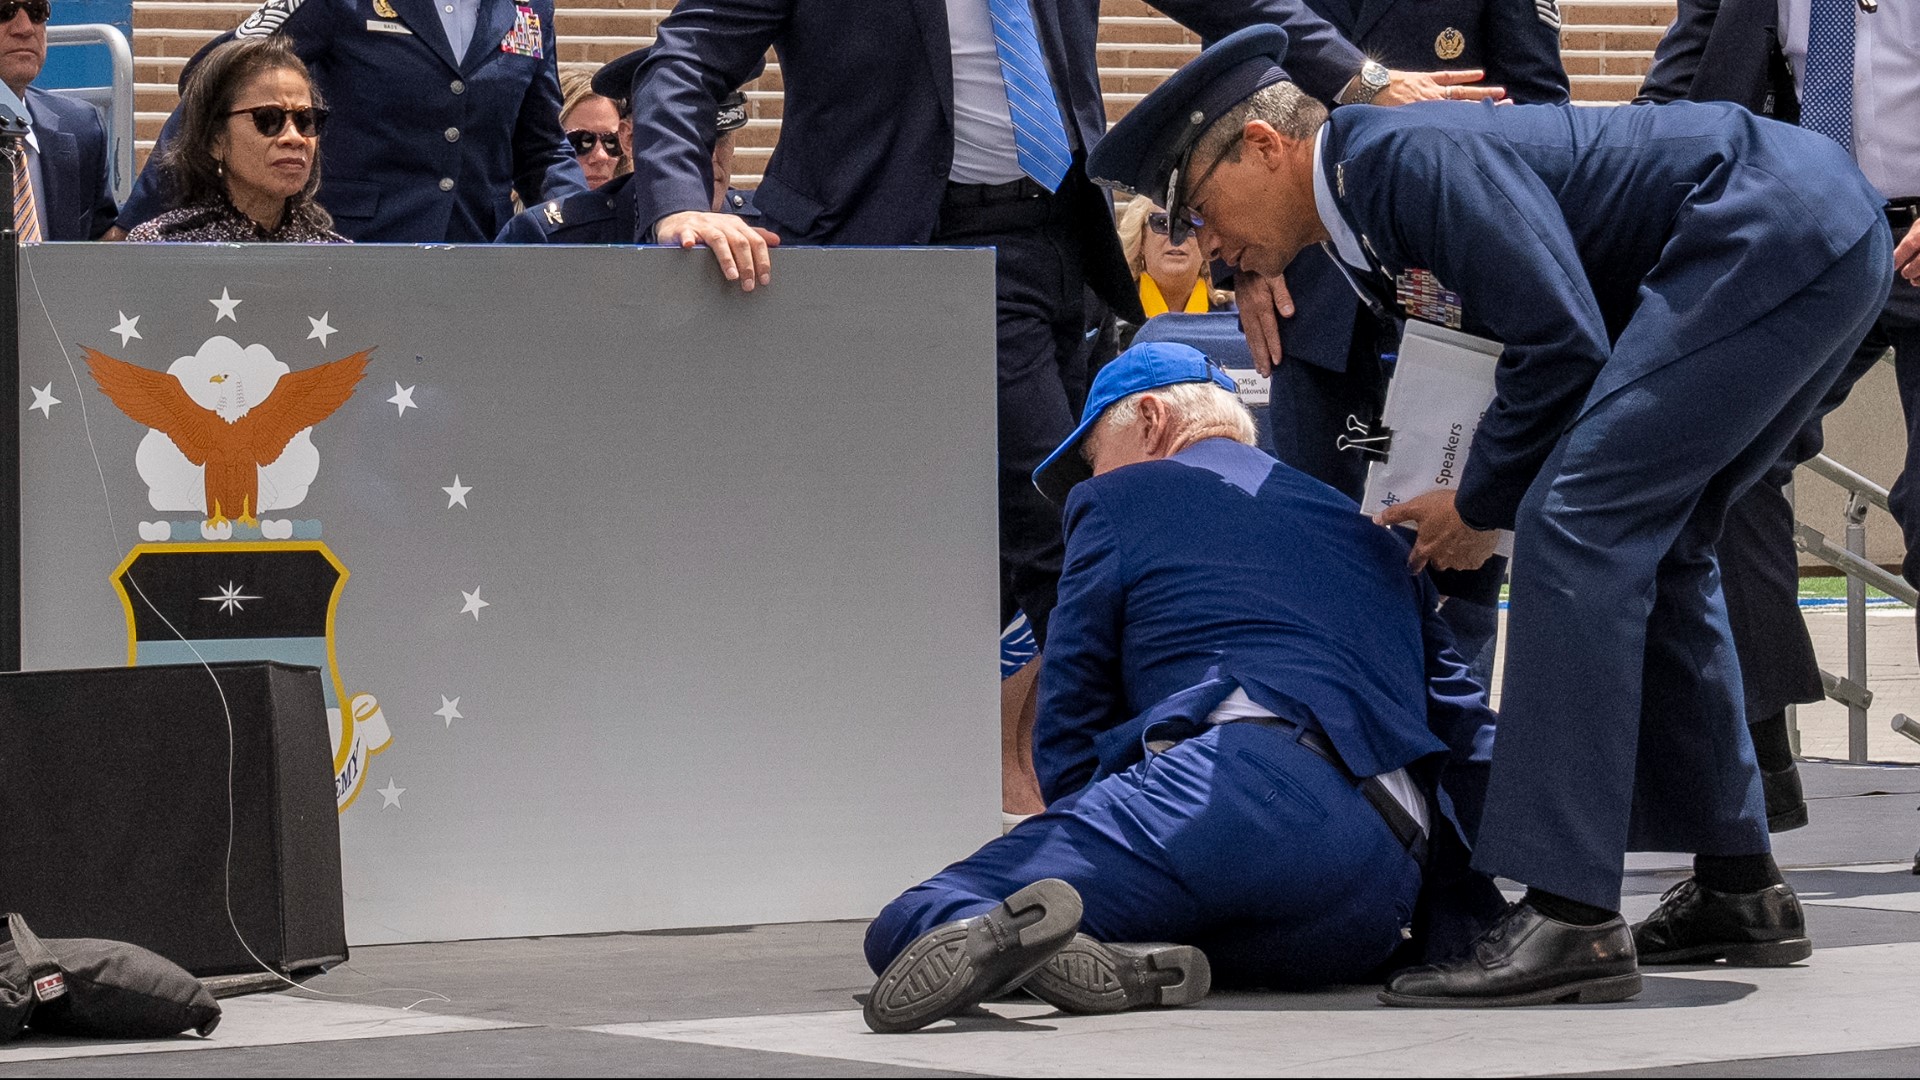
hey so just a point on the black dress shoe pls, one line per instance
(1696, 925)
(1527, 958)
(1089, 976)
(954, 967)
(1786, 803)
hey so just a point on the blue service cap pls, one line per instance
(1143, 367)
(1146, 153)
(615, 80)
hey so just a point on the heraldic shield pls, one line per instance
(190, 603)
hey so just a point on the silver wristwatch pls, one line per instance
(1367, 85)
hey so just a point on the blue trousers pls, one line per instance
(1622, 724)
(1239, 841)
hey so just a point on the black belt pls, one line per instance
(1404, 827)
(1902, 213)
(1024, 189)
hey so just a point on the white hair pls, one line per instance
(1199, 410)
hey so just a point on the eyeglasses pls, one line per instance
(38, 11)
(1183, 224)
(271, 120)
(582, 142)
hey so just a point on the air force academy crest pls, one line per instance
(230, 441)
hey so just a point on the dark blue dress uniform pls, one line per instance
(1660, 355)
(1331, 366)
(423, 146)
(1186, 578)
(1331, 347)
(594, 217)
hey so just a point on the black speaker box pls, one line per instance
(114, 812)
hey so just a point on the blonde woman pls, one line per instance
(1171, 277)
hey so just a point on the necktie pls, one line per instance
(1826, 91)
(26, 224)
(1039, 137)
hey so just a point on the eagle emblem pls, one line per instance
(219, 429)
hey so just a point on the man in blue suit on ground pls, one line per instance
(1659, 354)
(67, 157)
(897, 128)
(439, 116)
(1245, 712)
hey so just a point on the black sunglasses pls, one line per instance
(271, 120)
(38, 11)
(582, 141)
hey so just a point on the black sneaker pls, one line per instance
(1089, 976)
(1696, 925)
(954, 967)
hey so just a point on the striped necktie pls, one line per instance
(1039, 136)
(1826, 90)
(26, 224)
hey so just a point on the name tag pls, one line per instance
(1255, 389)
(387, 27)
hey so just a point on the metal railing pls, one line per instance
(1850, 558)
(115, 102)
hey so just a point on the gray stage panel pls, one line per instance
(736, 660)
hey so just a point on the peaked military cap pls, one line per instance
(1147, 152)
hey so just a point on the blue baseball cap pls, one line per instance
(1147, 152)
(1143, 367)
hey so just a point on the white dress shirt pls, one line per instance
(983, 149)
(1886, 87)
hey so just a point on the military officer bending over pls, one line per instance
(1234, 648)
(1659, 354)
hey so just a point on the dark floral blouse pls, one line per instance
(221, 223)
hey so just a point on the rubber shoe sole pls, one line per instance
(1091, 977)
(954, 967)
(1744, 954)
(1590, 992)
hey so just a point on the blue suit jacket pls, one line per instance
(1221, 567)
(866, 136)
(1724, 50)
(1517, 42)
(423, 146)
(77, 191)
(1554, 224)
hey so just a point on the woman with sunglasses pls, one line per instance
(246, 163)
(593, 128)
(1171, 277)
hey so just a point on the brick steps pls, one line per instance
(1607, 46)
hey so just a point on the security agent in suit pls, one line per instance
(1737, 50)
(67, 150)
(438, 116)
(897, 130)
(1628, 260)
(1334, 344)
(605, 216)
(1245, 708)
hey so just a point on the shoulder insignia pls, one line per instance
(1549, 12)
(553, 213)
(266, 19)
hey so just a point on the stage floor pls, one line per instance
(779, 1001)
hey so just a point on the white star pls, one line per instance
(449, 710)
(229, 598)
(322, 330)
(474, 604)
(44, 400)
(403, 397)
(224, 306)
(130, 328)
(456, 495)
(390, 795)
